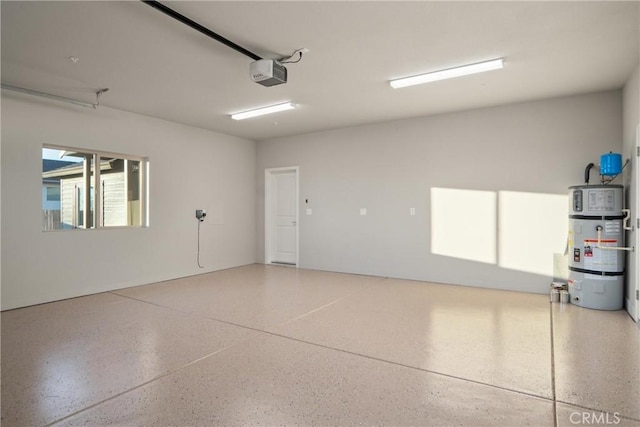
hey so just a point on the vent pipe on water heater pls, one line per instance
(586, 172)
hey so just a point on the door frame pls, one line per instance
(637, 229)
(268, 205)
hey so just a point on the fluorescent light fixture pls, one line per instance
(262, 111)
(494, 64)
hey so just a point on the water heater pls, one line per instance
(596, 271)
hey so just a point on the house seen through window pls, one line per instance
(91, 189)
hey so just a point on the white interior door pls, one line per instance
(282, 218)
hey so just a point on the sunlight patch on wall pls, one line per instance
(463, 224)
(515, 230)
(532, 227)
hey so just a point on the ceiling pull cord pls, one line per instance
(98, 95)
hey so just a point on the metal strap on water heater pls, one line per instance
(597, 273)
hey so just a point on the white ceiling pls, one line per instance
(156, 66)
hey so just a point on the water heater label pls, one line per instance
(601, 200)
(577, 201)
(612, 227)
(597, 259)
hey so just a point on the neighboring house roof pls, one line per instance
(49, 165)
(76, 168)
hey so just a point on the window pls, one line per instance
(53, 194)
(91, 189)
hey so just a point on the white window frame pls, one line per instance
(95, 183)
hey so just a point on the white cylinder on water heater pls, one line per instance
(596, 272)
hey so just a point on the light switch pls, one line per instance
(308, 211)
(412, 211)
(363, 211)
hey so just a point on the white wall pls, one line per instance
(516, 160)
(190, 169)
(631, 121)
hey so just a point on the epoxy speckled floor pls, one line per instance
(268, 345)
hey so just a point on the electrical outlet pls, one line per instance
(200, 214)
